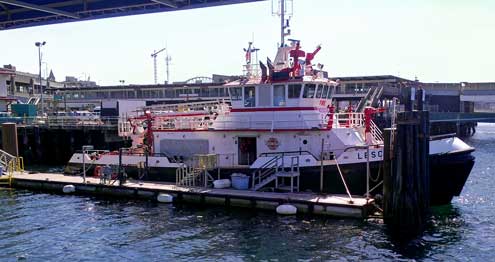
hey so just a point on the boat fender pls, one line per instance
(286, 209)
(69, 189)
(222, 183)
(97, 172)
(165, 198)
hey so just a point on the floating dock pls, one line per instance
(309, 203)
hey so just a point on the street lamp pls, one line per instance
(39, 45)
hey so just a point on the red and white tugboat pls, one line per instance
(280, 129)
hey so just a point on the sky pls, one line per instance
(433, 40)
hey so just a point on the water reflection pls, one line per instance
(44, 227)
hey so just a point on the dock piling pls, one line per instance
(406, 174)
(9, 139)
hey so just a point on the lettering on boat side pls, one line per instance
(272, 143)
(373, 154)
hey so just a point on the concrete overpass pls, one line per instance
(27, 13)
(467, 92)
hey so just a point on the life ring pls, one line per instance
(97, 171)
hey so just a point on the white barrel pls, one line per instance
(222, 183)
(69, 189)
(286, 209)
(164, 198)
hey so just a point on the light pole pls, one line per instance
(39, 45)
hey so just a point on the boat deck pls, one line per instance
(332, 205)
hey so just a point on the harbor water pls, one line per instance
(36, 226)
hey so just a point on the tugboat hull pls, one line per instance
(448, 174)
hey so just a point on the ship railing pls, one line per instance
(376, 133)
(206, 124)
(124, 128)
(288, 154)
(348, 120)
(341, 120)
(251, 70)
(269, 124)
(186, 107)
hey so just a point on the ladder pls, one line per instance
(292, 174)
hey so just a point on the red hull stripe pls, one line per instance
(273, 109)
(172, 116)
(240, 130)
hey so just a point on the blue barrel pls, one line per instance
(240, 181)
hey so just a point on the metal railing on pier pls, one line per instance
(10, 165)
(63, 122)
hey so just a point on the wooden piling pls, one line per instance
(9, 139)
(406, 182)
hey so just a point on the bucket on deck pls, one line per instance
(240, 181)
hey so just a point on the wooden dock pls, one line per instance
(330, 205)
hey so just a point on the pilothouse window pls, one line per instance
(325, 91)
(249, 96)
(330, 92)
(235, 93)
(279, 95)
(294, 91)
(309, 91)
(319, 91)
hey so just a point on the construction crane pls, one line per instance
(154, 55)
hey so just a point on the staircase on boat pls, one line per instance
(371, 98)
(274, 170)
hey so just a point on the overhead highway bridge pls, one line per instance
(28, 13)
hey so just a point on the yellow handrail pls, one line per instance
(20, 164)
(10, 171)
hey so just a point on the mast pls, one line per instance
(284, 9)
